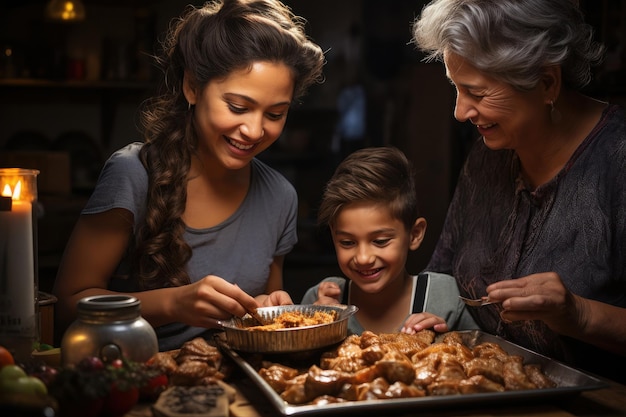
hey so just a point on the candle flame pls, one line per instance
(6, 191)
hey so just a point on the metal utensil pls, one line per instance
(256, 316)
(478, 302)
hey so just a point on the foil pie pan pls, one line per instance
(295, 339)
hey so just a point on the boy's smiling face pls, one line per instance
(372, 246)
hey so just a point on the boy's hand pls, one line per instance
(421, 321)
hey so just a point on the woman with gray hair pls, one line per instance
(538, 219)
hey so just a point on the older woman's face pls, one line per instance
(507, 118)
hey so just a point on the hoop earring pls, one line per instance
(555, 114)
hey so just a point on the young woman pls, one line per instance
(189, 221)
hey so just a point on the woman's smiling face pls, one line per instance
(505, 116)
(239, 116)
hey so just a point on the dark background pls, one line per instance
(69, 95)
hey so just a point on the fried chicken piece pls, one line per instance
(425, 372)
(294, 390)
(452, 338)
(408, 344)
(343, 364)
(514, 376)
(434, 350)
(368, 339)
(365, 375)
(490, 350)
(446, 387)
(491, 368)
(479, 383)
(190, 373)
(395, 366)
(350, 348)
(277, 376)
(462, 351)
(450, 369)
(537, 377)
(199, 349)
(401, 390)
(324, 382)
(373, 354)
(164, 361)
(373, 390)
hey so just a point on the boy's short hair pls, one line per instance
(381, 175)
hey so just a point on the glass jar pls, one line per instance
(109, 327)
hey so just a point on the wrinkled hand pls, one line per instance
(328, 293)
(421, 321)
(542, 297)
(210, 299)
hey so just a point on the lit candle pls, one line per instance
(18, 319)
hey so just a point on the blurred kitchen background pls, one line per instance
(69, 93)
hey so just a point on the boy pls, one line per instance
(370, 206)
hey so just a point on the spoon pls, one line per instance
(478, 302)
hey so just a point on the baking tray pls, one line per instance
(569, 381)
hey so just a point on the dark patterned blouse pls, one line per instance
(575, 225)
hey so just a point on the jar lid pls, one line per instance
(107, 302)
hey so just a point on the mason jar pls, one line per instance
(109, 327)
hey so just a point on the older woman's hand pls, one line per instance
(540, 297)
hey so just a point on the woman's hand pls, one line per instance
(540, 297)
(212, 298)
(328, 293)
(544, 297)
(420, 321)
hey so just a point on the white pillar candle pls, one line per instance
(19, 321)
(17, 273)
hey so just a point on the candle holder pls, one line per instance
(19, 315)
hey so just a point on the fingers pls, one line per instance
(530, 292)
(224, 299)
(278, 298)
(328, 289)
(421, 321)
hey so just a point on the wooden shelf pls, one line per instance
(75, 84)
(108, 93)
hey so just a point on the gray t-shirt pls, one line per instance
(240, 249)
(433, 293)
